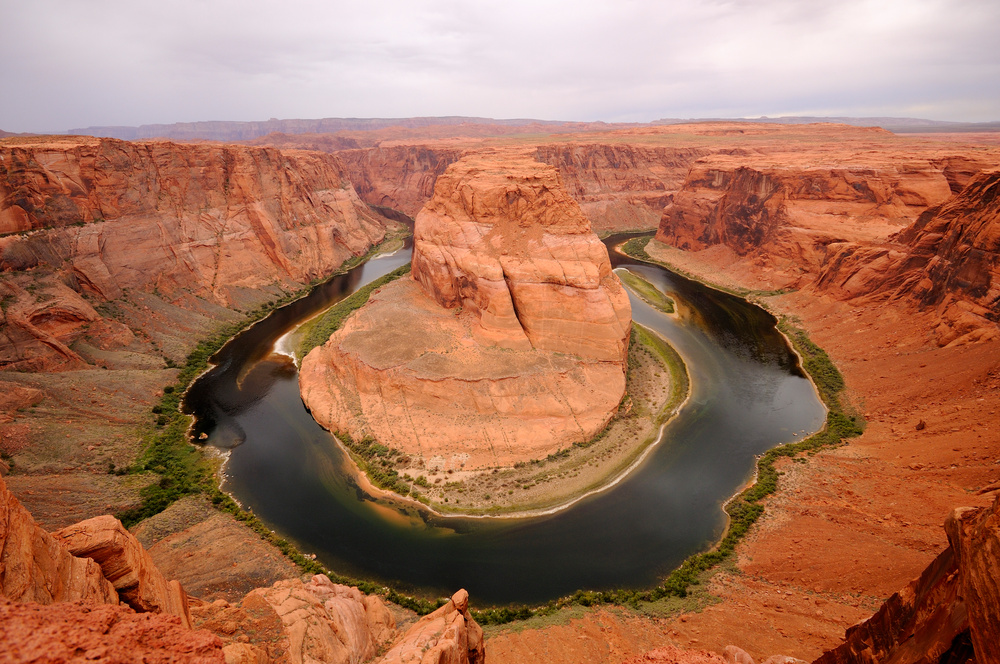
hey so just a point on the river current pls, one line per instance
(748, 395)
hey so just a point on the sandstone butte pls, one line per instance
(507, 344)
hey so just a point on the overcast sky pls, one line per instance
(78, 63)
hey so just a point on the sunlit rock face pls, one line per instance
(509, 340)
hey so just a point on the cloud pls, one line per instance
(90, 62)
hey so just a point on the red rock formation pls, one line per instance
(193, 223)
(36, 567)
(449, 635)
(621, 186)
(793, 212)
(127, 565)
(618, 186)
(975, 538)
(504, 239)
(74, 632)
(397, 177)
(947, 614)
(331, 623)
(947, 260)
(529, 357)
(301, 622)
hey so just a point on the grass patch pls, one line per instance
(318, 330)
(647, 291)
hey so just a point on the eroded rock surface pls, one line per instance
(36, 567)
(948, 260)
(127, 565)
(949, 614)
(76, 632)
(301, 623)
(449, 635)
(199, 225)
(507, 344)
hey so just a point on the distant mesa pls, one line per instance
(507, 343)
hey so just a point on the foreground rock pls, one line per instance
(36, 567)
(507, 344)
(127, 565)
(74, 632)
(449, 635)
(949, 614)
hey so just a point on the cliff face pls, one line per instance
(508, 343)
(789, 213)
(618, 186)
(949, 614)
(621, 187)
(947, 260)
(398, 177)
(200, 226)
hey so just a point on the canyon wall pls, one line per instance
(948, 261)
(508, 342)
(618, 186)
(201, 227)
(789, 213)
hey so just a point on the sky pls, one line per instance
(78, 63)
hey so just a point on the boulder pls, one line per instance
(326, 622)
(127, 565)
(36, 567)
(449, 635)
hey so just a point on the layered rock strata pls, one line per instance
(127, 565)
(200, 226)
(792, 213)
(507, 344)
(948, 260)
(36, 567)
(447, 635)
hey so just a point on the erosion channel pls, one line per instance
(747, 395)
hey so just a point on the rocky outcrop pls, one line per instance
(74, 632)
(948, 260)
(449, 635)
(792, 213)
(501, 237)
(975, 539)
(198, 225)
(508, 343)
(36, 567)
(949, 614)
(330, 623)
(127, 565)
(301, 622)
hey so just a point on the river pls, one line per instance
(748, 395)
